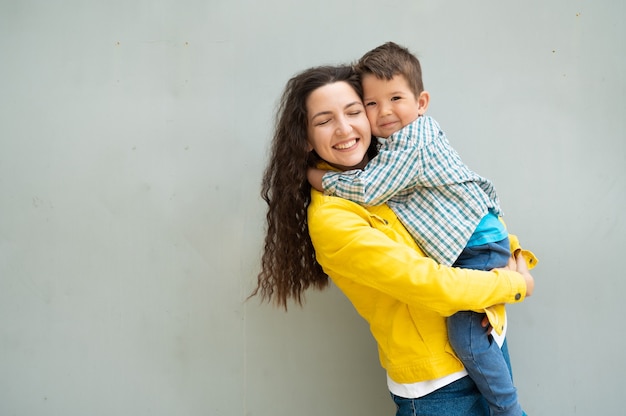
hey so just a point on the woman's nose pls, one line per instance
(343, 127)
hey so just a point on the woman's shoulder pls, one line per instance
(320, 203)
(327, 211)
(331, 213)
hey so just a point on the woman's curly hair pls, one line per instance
(288, 264)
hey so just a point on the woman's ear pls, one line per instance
(422, 102)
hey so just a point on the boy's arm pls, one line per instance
(399, 163)
(314, 176)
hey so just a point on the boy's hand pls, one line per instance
(314, 176)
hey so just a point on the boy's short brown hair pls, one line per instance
(389, 60)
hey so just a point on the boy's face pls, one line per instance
(390, 104)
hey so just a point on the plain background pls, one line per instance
(133, 136)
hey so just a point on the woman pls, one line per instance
(403, 295)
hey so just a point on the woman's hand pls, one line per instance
(517, 264)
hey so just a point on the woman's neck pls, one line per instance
(360, 165)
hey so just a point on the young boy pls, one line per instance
(450, 211)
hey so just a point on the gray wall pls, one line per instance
(133, 135)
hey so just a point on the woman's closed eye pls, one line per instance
(322, 122)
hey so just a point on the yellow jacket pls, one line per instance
(403, 295)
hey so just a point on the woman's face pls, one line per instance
(338, 129)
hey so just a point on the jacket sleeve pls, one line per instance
(352, 243)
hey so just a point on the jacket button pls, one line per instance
(518, 296)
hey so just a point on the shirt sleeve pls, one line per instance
(398, 166)
(347, 245)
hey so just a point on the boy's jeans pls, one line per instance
(482, 357)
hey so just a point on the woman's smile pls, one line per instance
(346, 145)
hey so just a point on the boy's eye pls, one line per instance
(370, 103)
(396, 98)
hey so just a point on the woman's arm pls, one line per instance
(372, 248)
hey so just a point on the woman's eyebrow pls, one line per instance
(353, 103)
(323, 113)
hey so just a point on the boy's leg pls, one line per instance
(505, 353)
(484, 362)
(483, 359)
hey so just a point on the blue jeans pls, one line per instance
(460, 398)
(482, 357)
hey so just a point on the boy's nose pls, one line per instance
(385, 110)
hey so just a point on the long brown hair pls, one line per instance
(288, 264)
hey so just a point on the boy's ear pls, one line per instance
(422, 102)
